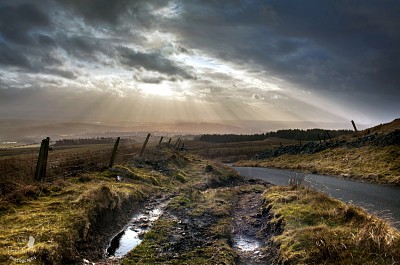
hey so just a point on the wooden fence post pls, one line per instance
(40, 173)
(162, 137)
(177, 141)
(329, 136)
(319, 138)
(144, 145)
(114, 152)
(169, 142)
(354, 126)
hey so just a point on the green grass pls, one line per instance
(322, 230)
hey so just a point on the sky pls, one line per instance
(211, 60)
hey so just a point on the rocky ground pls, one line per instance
(392, 138)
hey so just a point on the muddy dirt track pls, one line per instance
(227, 225)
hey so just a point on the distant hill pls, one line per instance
(294, 134)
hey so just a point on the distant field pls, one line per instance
(232, 152)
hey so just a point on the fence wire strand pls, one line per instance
(19, 163)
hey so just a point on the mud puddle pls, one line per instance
(131, 236)
(245, 243)
(248, 240)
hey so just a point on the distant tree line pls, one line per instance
(295, 134)
(80, 141)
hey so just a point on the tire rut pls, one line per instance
(250, 238)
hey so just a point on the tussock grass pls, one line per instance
(322, 230)
(60, 218)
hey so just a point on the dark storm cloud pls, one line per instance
(340, 49)
(17, 20)
(46, 40)
(12, 57)
(63, 73)
(103, 10)
(113, 11)
(312, 43)
(151, 61)
(84, 47)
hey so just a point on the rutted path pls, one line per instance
(225, 225)
(250, 239)
(131, 236)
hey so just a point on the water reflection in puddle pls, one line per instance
(129, 238)
(244, 243)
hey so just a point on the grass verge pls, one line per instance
(322, 230)
(370, 163)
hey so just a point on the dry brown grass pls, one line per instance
(231, 152)
(322, 230)
(371, 163)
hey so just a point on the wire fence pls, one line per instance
(18, 164)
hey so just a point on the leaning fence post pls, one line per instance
(354, 126)
(329, 136)
(40, 172)
(114, 152)
(144, 145)
(319, 138)
(162, 137)
(177, 141)
(169, 142)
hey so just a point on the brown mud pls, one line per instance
(225, 225)
(250, 237)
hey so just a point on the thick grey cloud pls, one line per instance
(151, 61)
(324, 45)
(17, 20)
(12, 57)
(254, 55)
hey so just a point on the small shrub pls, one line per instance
(296, 180)
(180, 178)
(209, 168)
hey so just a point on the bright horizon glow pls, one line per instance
(162, 89)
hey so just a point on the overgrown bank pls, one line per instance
(370, 163)
(63, 218)
(318, 229)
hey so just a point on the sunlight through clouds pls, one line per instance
(228, 57)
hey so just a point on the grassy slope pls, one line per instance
(371, 163)
(377, 164)
(322, 230)
(61, 214)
